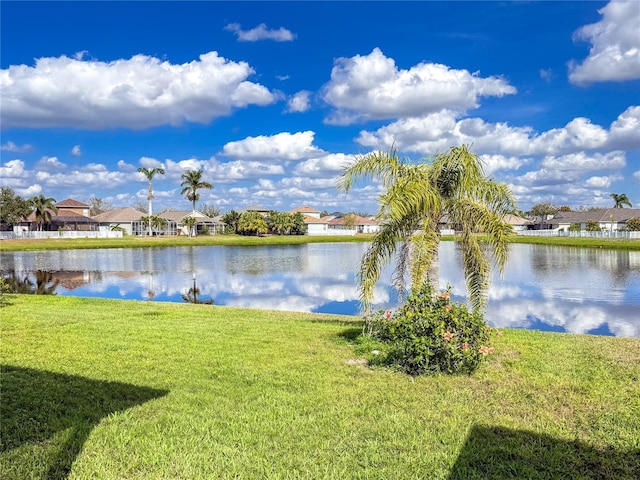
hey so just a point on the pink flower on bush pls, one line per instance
(491, 349)
(499, 333)
(448, 336)
(387, 314)
(445, 295)
(465, 346)
(484, 350)
(447, 308)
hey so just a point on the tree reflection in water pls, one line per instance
(191, 296)
(44, 283)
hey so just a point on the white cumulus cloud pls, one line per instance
(50, 164)
(299, 102)
(76, 151)
(583, 162)
(327, 165)
(136, 93)
(261, 32)
(12, 169)
(12, 147)
(282, 146)
(615, 45)
(372, 87)
(438, 131)
(602, 181)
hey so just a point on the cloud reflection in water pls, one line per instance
(550, 288)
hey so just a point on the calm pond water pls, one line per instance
(544, 288)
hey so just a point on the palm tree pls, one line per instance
(192, 182)
(42, 207)
(154, 222)
(191, 223)
(252, 223)
(149, 173)
(279, 222)
(415, 199)
(231, 219)
(620, 199)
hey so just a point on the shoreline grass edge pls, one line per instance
(14, 245)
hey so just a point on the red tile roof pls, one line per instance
(310, 219)
(69, 202)
(304, 209)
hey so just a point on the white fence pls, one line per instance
(64, 234)
(332, 232)
(582, 233)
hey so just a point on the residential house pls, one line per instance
(518, 223)
(609, 219)
(128, 220)
(360, 225)
(71, 215)
(311, 217)
(205, 225)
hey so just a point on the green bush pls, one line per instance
(429, 334)
(593, 226)
(633, 224)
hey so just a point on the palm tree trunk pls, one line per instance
(150, 198)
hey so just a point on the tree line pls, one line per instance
(275, 223)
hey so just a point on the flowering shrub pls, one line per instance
(429, 334)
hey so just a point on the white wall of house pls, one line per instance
(341, 230)
(125, 226)
(316, 229)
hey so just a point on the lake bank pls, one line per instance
(201, 392)
(239, 240)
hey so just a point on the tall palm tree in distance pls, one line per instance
(620, 200)
(191, 183)
(43, 207)
(149, 173)
(415, 199)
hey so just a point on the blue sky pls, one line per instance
(272, 99)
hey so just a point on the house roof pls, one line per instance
(357, 221)
(70, 202)
(256, 208)
(65, 216)
(304, 209)
(309, 219)
(619, 215)
(516, 220)
(127, 214)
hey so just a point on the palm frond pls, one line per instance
(424, 252)
(377, 257)
(476, 271)
(382, 165)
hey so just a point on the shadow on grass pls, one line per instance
(499, 453)
(351, 334)
(46, 417)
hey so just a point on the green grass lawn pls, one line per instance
(171, 241)
(240, 240)
(116, 389)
